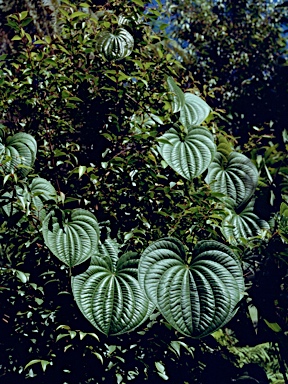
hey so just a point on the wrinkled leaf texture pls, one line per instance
(190, 156)
(72, 239)
(18, 154)
(195, 299)
(235, 176)
(194, 111)
(243, 224)
(108, 293)
(177, 98)
(115, 46)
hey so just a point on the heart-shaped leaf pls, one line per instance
(18, 154)
(194, 111)
(189, 156)
(108, 293)
(242, 225)
(235, 176)
(72, 236)
(116, 45)
(195, 298)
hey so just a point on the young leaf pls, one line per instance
(177, 97)
(115, 46)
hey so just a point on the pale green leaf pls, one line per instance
(177, 95)
(194, 111)
(191, 155)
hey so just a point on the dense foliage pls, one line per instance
(125, 206)
(237, 51)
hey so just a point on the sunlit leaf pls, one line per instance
(191, 155)
(17, 154)
(177, 95)
(194, 111)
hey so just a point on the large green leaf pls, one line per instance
(198, 297)
(18, 154)
(241, 225)
(235, 176)
(189, 156)
(177, 98)
(194, 111)
(116, 45)
(72, 236)
(108, 293)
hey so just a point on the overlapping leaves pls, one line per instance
(189, 156)
(71, 236)
(108, 293)
(198, 297)
(193, 109)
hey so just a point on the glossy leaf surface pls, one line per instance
(177, 95)
(194, 111)
(72, 237)
(235, 176)
(244, 224)
(189, 156)
(196, 298)
(18, 153)
(115, 46)
(108, 293)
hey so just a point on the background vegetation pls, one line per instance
(97, 124)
